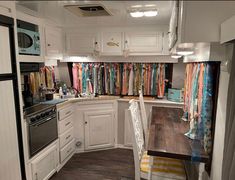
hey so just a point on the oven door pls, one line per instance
(28, 42)
(42, 134)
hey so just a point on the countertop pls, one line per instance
(121, 99)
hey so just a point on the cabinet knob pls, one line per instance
(85, 122)
(48, 44)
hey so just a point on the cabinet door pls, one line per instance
(112, 43)
(127, 132)
(80, 43)
(7, 8)
(54, 46)
(99, 131)
(45, 165)
(150, 42)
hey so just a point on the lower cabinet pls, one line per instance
(45, 165)
(99, 131)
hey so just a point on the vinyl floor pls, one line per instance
(114, 164)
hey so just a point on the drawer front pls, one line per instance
(63, 113)
(65, 124)
(67, 150)
(66, 137)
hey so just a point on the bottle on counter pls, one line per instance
(61, 93)
(64, 89)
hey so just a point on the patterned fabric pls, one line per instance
(163, 167)
(119, 78)
(198, 102)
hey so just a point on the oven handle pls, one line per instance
(42, 122)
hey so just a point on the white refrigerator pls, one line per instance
(11, 148)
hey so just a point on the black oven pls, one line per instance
(42, 127)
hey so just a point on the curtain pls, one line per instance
(228, 169)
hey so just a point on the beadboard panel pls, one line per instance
(9, 152)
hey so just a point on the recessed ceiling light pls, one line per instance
(184, 53)
(176, 56)
(137, 14)
(150, 13)
(150, 5)
(136, 6)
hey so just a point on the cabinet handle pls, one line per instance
(85, 122)
(36, 176)
(68, 136)
(48, 44)
(67, 123)
(69, 150)
(68, 112)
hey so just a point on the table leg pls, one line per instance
(150, 167)
(201, 171)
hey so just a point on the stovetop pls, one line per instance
(36, 109)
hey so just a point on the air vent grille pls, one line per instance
(88, 10)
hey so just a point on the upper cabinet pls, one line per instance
(144, 43)
(111, 43)
(81, 43)
(7, 8)
(228, 30)
(53, 43)
(199, 21)
(117, 43)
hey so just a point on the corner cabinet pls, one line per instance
(99, 129)
(53, 39)
(45, 165)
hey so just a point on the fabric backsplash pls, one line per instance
(120, 78)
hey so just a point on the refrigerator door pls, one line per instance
(9, 152)
(5, 51)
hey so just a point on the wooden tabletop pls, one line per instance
(167, 139)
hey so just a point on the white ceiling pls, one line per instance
(55, 11)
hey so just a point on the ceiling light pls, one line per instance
(184, 53)
(150, 13)
(136, 6)
(176, 56)
(150, 5)
(137, 14)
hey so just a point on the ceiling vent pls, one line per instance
(90, 10)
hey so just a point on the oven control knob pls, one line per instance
(32, 119)
(47, 113)
(38, 117)
(43, 115)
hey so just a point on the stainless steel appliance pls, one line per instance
(28, 38)
(42, 126)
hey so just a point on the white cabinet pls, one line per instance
(144, 43)
(45, 165)
(111, 43)
(228, 30)
(81, 43)
(54, 47)
(66, 132)
(99, 129)
(7, 8)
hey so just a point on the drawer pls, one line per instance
(65, 124)
(65, 112)
(66, 137)
(67, 150)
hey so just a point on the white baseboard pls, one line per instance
(123, 146)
